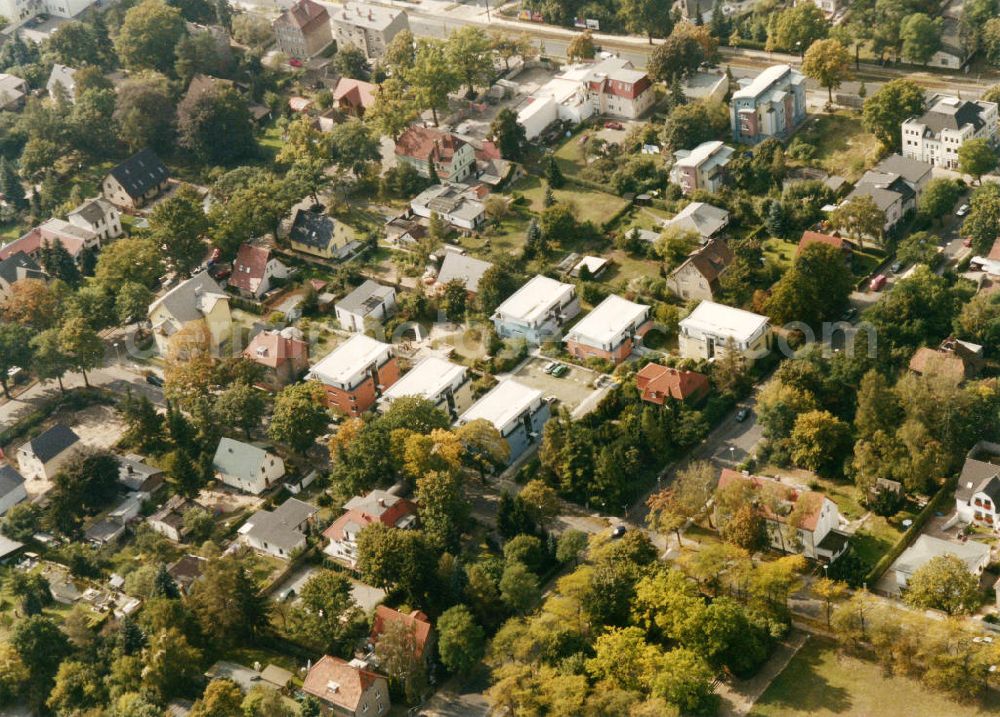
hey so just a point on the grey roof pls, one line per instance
(19, 266)
(53, 442)
(93, 210)
(464, 268)
(280, 527)
(375, 503)
(882, 195)
(64, 76)
(135, 474)
(912, 170)
(312, 229)
(700, 217)
(946, 114)
(978, 476)
(183, 301)
(104, 531)
(236, 458)
(366, 298)
(8, 547)
(140, 173)
(927, 547)
(10, 480)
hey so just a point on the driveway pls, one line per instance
(364, 595)
(455, 699)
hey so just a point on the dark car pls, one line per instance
(742, 415)
(618, 531)
(154, 380)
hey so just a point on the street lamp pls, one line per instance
(732, 454)
(118, 352)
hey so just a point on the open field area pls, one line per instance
(591, 205)
(843, 147)
(820, 683)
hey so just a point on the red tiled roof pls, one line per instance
(928, 361)
(338, 683)
(271, 349)
(356, 92)
(392, 515)
(416, 621)
(425, 143)
(31, 243)
(248, 269)
(813, 500)
(656, 383)
(815, 237)
(712, 259)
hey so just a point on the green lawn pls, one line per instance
(820, 683)
(780, 252)
(842, 145)
(570, 157)
(591, 205)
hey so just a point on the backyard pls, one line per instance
(591, 204)
(821, 682)
(843, 146)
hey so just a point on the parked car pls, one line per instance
(294, 62)
(618, 531)
(560, 370)
(962, 210)
(550, 367)
(896, 267)
(613, 125)
(967, 242)
(849, 314)
(742, 415)
(877, 283)
(154, 380)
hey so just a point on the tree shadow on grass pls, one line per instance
(804, 688)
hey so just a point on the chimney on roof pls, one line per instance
(381, 502)
(370, 16)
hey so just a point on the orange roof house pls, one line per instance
(954, 359)
(657, 383)
(283, 354)
(379, 506)
(347, 688)
(416, 621)
(837, 242)
(354, 96)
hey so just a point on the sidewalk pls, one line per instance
(738, 696)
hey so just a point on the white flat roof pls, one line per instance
(427, 379)
(722, 320)
(534, 299)
(762, 82)
(608, 320)
(503, 404)
(344, 362)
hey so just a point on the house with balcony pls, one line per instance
(936, 136)
(255, 270)
(434, 152)
(445, 384)
(537, 311)
(303, 30)
(367, 306)
(609, 331)
(713, 330)
(356, 373)
(773, 104)
(379, 506)
(197, 301)
(517, 411)
(977, 494)
(280, 533)
(703, 167)
(456, 204)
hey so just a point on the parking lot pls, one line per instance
(571, 389)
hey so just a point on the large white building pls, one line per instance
(711, 329)
(517, 411)
(17, 11)
(436, 379)
(537, 311)
(611, 87)
(937, 135)
(609, 331)
(772, 104)
(703, 167)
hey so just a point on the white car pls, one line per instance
(962, 210)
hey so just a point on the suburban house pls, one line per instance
(43, 456)
(703, 167)
(12, 490)
(415, 621)
(279, 532)
(367, 306)
(75, 240)
(379, 506)
(935, 136)
(368, 27)
(434, 152)
(246, 467)
(705, 219)
(830, 7)
(186, 571)
(955, 50)
(168, 521)
(16, 11)
(611, 86)
(282, 353)
(13, 91)
(609, 331)
(798, 520)
(303, 30)
(99, 216)
(773, 104)
(436, 379)
(322, 236)
(989, 264)
(254, 269)
(354, 97)
(135, 181)
(199, 299)
(138, 476)
(714, 329)
(697, 277)
(517, 411)
(974, 554)
(537, 311)
(62, 79)
(17, 267)
(845, 246)
(977, 494)
(658, 383)
(463, 268)
(454, 203)
(356, 373)
(346, 689)
(405, 229)
(954, 359)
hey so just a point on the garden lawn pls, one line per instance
(843, 146)
(570, 157)
(820, 683)
(591, 205)
(779, 252)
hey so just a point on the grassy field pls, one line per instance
(779, 252)
(842, 145)
(820, 683)
(591, 205)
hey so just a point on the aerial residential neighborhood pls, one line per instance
(465, 359)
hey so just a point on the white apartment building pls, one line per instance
(368, 27)
(711, 329)
(936, 136)
(537, 311)
(17, 11)
(702, 167)
(436, 379)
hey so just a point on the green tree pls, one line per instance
(827, 62)
(395, 107)
(129, 260)
(746, 528)
(41, 647)
(796, 28)
(990, 40)
(519, 588)
(199, 54)
(10, 185)
(77, 688)
(685, 680)
(888, 107)
(571, 545)
(508, 134)
(241, 406)
(171, 664)
(14, 674)
(144, 111)
(394, 559)
(399, 658)
(921, 37)
(651, 17)
(817, 287)
(860, 218)
(354, 146)
(470, 53)
(432, 77)
(982, 223)
(350, 61)
(15, 351)
(148, 36)
(178, 225)
(976, 157)
(878, 406)
(228, 602)
(461, 641)
(581, 47)
(132, 302)
(327, 612)
(300, 416)
(819, 441)
(939, 197)
(81, 346)
(216, 125)
(222, 698)
(623, 658)
(944, 583)
(687, 498)
(400, 53)
(691, 124)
